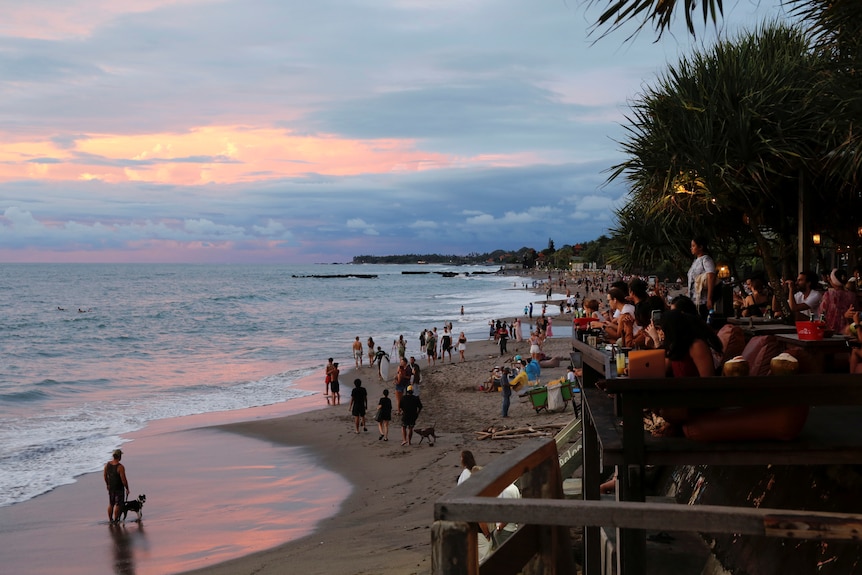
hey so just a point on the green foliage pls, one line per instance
(719, 146)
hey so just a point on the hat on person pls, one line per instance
(409, 388)
(517, 358)
(117, 452)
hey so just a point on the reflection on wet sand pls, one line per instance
(126, 540)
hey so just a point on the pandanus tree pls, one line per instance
(720, 142)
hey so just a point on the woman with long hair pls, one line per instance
(691, 346)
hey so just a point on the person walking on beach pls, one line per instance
(411, 407)
(378, 357)
(370, 345)
(384, 415)
(357, 351)
(503, 337)
(116, 482)
(462, 345)
(334, 385)
(417, 375)
(358, 404)
(402, 381)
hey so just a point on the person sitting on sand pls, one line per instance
(410, 407)
(358, 404)
(384, 415)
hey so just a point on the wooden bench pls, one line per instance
(614, 434)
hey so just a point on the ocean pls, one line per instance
(90, 353)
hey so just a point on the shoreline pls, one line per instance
(383, 526)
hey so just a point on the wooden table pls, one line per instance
(614, 436)
(823, 351)
(596, 363)
(760, 326)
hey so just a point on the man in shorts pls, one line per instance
(358, 404)
(357, 351)
(115, 480)
(411, 407)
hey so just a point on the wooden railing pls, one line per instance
(542, 543)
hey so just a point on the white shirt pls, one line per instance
(511, 492)
(813, 301)
(700, 266)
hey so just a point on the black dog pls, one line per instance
(136, 505)
(426, 433)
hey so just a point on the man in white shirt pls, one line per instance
(804, 303)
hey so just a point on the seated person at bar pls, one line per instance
(836, 301)
(620, 307)
(803, 297)
(755, 303)
(692, 348)
(645, 338)
(684, 304)
(591, 308)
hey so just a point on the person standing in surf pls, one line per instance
(115, 480)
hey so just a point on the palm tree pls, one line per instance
(720, 143)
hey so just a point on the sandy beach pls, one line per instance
(383, 527)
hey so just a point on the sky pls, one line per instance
(296, 131)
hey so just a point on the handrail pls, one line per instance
(542, 545)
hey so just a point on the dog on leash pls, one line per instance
(426, 433)
(136, 505)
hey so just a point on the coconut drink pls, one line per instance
(784, 364)
(735, 367)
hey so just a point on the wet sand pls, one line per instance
(225, 491)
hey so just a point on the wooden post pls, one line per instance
(454, 549)
(631, 543)
(591, 484)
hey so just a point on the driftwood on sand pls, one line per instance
(518, 432)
